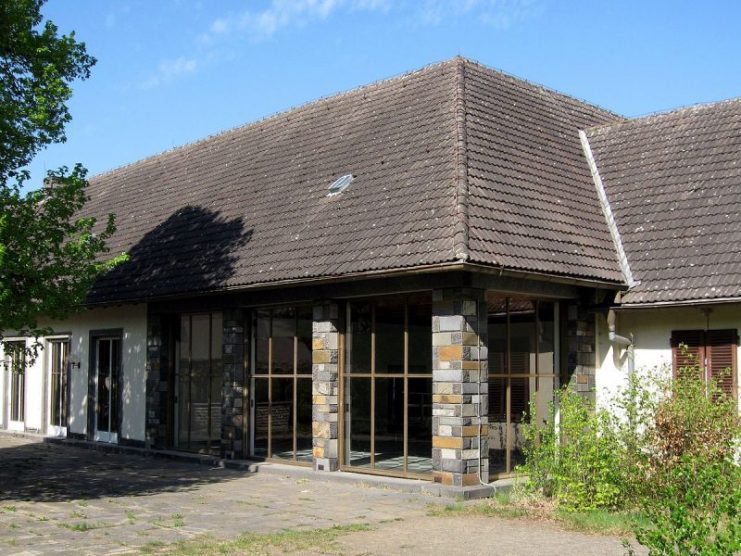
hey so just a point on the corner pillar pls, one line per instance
(325, 386)
(460, 389)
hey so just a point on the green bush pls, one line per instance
(577, 460)
(693, 496)
(665, 448)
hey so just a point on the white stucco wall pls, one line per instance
(132, 319)
(651, 329)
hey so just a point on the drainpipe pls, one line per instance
(618, 340)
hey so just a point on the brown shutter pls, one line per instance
(694, 356)
(721, 359)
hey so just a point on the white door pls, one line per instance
(107, 370)
(58, 368)
(15, 380)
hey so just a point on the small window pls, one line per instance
(340, 185)
(712, 352)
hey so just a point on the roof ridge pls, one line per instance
(460, 240)
(544, 88)
(661, 114)
(283, 113)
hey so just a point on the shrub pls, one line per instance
(666, 448)
(580, 470)
(693, 496)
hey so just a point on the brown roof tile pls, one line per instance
(451, 161)
(674, 184)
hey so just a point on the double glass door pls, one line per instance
(107, 373)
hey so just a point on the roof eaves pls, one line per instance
(460, 241)
(607, 211)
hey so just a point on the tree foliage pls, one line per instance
(49, 254)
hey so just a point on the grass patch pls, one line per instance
(319, 540)
(509, 506)
(9, 509)
(175, 520)
(600, 521)
(82, 526)
(131, 516)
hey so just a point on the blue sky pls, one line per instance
(173, 71)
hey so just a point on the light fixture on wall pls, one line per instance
(74, 364)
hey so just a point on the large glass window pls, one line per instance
(387, 385)
(199, 381)
(281, 384)
(521, 374)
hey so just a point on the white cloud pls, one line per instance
(263, 24)
(280, 14)
(501, 14)
(169, 70)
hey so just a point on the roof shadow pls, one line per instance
(195, 249)
(50, 472)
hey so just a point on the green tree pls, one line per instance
(49, 254)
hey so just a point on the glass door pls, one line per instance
(58, 377)
(107, 371)
(15, 369)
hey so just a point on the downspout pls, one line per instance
(618, 340)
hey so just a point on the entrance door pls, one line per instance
(58, 377)
(15, 365)
(107, 371)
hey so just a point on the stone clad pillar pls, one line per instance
(156, 381)
(582, 359)
(325, 386)
(234, 386)
(460, 389)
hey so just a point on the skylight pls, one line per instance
(340, 185)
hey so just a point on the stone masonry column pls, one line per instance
(325, 386)
(582, 363)
(156, 382)
(234, 386)
(460, 389)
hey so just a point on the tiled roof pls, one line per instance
(674, 185)
(453, 162)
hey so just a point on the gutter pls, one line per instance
(685, 303)
(451, 266)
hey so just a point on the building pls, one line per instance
(381, 281)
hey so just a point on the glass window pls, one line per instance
(521, 373)
(282, 383)
(388, 419)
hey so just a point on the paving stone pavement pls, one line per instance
(57, 499)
